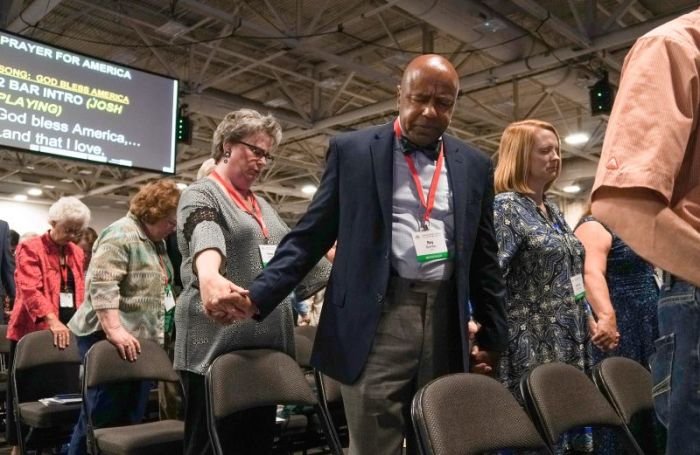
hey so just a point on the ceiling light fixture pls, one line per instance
(577, 138)
(308, 189)
(181, 186)
(572, 189)
(20, 197)
(34, 192)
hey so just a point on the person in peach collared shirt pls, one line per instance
(647, 190)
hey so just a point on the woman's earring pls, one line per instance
(227, 155)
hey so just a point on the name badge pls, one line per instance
(65, 300)
(266, 253)
(430, 245)
(577, 284)
(169, 299)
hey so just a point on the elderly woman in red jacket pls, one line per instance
(49, 278)
(49, 274)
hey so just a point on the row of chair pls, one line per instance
(40, 370)
(456, 414)
(467, 413)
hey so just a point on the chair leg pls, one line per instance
(329, 431)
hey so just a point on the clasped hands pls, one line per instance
(225, 302)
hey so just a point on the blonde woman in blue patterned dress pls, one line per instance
(542, 262)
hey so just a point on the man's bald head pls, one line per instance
(434, 64)
(426, 98)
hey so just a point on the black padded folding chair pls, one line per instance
(266, 378)
(627, 386)
(331, 400)
(468, 413)
(40, 371)
(560, 398)
(103, 366)
(306, 331)
(327, 389)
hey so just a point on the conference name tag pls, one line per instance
(577, 284)
(169, 299)
(266, 253)
(430, 245)
(65, 300)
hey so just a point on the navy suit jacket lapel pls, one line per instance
(382, 151)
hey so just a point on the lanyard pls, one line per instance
(255, 212)
(166, 270)
(64, 273)
(430, 202)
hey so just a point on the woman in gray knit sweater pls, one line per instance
(226, 234)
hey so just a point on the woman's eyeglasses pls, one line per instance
(73, 232)
(258, 152)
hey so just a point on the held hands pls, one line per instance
(61, 334)
(225, 302)
(481, 361)
(604, 333)
(127, 345)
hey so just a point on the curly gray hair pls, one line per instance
(69, 209)
(240, 124)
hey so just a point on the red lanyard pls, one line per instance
(255, 212)
(430, 203)
(64, 272)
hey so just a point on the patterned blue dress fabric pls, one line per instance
(538, 255)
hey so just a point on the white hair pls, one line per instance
(69, 209)
(206, 168)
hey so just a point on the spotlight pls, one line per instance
(576, 138)
(308, 189)
(602, 95)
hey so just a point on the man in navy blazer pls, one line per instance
(411, 209)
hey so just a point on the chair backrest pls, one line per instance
(4, 342)
(36, 359)
(103, 365)
(303, 347)
(331, 389)
(36, 348)
(308, 331)
(468, 413)
(248, 379)
(626, 384)
(560, 397)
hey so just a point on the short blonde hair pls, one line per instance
(514, 152)
(240, 124)
(155, 201)
(69, 208)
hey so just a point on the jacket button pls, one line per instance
(380, 298)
